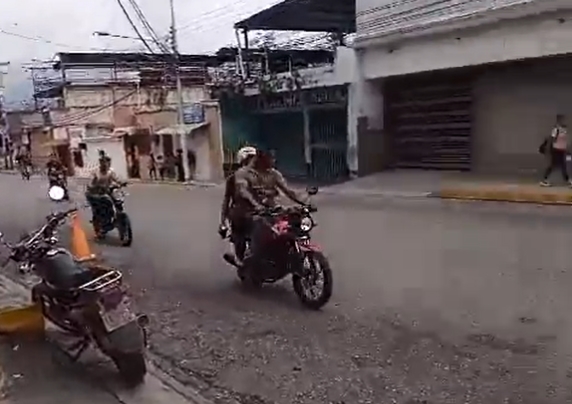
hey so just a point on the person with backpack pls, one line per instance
(555, 147)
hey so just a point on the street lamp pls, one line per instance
(110, 35)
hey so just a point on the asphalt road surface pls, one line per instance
(434, 302)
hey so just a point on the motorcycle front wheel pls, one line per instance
(132, 367)
(125, 231)
(316, 266)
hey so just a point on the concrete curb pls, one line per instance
(164, 388)
(538, 197)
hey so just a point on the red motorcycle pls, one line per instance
(289, 250)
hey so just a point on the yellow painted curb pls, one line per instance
(507, 195)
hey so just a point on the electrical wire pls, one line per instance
(132, 23)
(44, 40)
(150, 31)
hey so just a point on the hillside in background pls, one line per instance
(18, 86)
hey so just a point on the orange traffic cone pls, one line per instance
(79, 244)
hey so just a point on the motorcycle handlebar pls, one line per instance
(57, 217)
(279, 210)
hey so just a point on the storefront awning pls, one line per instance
(181, 129)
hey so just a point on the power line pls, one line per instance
(150, 31)
(126, 13)
(44, 40)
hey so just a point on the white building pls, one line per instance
(460, 84)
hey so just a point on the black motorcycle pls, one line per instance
(90, 303)
(58, 179)
(25, 171)
(109, 214)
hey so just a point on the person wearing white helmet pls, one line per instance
(257, 187)
(231, 212)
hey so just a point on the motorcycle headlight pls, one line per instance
(117, 194)
(306, 224)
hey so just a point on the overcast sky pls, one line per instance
(68, 25)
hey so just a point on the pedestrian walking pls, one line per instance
(555, 147)
(152, 167)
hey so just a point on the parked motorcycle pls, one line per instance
(288, 250)
(109, 214)
(88, 302)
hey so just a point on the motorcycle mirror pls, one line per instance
(312, 190)
(56, 193)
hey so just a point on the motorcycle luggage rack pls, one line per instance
(102, 282)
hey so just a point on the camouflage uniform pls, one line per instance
(256, 190)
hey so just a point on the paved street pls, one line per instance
(445, 302)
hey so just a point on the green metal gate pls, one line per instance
(328, 144)
(283, 133)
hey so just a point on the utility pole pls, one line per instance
(180, 115)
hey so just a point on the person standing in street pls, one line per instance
(152, 167)
(556, 147)
(161, 167)
(180, 168)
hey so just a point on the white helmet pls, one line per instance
(244, 153)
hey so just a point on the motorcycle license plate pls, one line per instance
(117, 317)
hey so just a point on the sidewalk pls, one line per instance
(392, 184)
(452, 185)
(522, 190)
(39, 372)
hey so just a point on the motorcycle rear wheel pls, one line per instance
(318, 302)
(132, 367)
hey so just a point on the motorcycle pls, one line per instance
(25, 172)
(109, 214)
(288, 250)
(89, 303)
(58, 180)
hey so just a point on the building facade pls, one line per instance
(460, 85)
(128, 108)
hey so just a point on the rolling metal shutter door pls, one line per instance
(431, 125)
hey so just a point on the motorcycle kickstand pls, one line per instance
(81, 347)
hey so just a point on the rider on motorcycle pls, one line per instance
(231, 212)
(258, 185)
(55, 168)
(98, 190)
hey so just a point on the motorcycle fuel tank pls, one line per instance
(58, 268)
